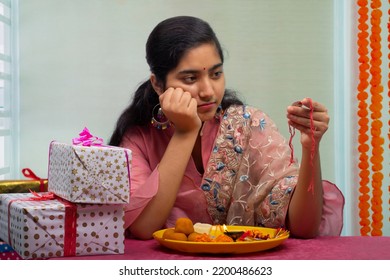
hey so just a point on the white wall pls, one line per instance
(81, 60)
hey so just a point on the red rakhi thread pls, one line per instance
(291, 130)
(313, 145)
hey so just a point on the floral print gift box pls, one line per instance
(90, 174)
(41, 225)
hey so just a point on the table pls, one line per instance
(320, 248)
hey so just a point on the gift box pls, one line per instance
(23, 186)
(41, 225)
(12, 255)
(7, 252)
(89, 174)
(4, 247)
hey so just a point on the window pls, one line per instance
(9, 98)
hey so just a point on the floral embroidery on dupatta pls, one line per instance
(231, 183)
(220, 175)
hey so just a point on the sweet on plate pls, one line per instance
(185, 230)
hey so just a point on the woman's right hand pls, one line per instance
(181, 109)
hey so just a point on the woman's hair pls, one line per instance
(167, 44)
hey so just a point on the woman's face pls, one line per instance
(200, 72)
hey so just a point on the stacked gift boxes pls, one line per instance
(82, 212)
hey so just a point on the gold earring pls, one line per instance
(160, 121)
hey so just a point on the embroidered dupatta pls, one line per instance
(249, 179)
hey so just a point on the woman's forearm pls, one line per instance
(304, 214)
(171, 171)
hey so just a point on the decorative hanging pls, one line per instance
(370, 78)
(363, 119)
(377, 140)
(388, 86)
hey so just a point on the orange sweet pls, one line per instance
(184, 225)
(171, 234)
(178, 236)
(168, 233)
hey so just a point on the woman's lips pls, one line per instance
(206, 106)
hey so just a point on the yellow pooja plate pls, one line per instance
(238, 247)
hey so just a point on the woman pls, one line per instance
(199, 152)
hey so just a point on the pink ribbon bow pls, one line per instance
(87, 139)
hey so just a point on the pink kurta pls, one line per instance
(248, 177)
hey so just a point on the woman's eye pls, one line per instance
(189, 79)
(217, 74)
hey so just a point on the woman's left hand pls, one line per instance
(310, 118)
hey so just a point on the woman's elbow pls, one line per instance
(143, 234)
(304, 231)
(304, 234)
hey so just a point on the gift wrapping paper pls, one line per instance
(22, 186)
(4, 247)
(7, 252)
(36, 183)
(38, 228)
(11, 255)
(95, 174)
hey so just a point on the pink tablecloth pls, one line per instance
(321, 248)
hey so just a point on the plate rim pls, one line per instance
(224, 247)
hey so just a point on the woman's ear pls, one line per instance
(156, 84)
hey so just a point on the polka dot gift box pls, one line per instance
(7, 252)
(12, 255)
(41, 225)
(89, 174)
(4, 247)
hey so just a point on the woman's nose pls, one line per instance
(206, 88)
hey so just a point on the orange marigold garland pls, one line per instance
(363, 119)
(376, 125)
(388, 85)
